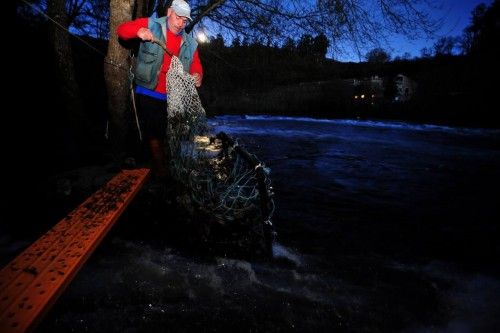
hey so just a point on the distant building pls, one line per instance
(405, 88)
(374, 90)
(368, 91)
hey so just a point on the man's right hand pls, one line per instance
(145, 34)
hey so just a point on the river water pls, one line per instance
(382, 226)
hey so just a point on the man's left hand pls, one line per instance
(197, 80)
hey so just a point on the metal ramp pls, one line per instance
(31, 283)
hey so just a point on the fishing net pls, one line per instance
(226, 189)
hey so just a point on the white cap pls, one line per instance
(181, 8)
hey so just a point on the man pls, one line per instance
(152, 66)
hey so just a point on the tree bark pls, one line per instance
(141, 8)
(116, 66)
(65, 71)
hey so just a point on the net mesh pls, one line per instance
(220, 186)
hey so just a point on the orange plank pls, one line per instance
(31, 283)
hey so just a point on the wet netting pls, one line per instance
(226, 189)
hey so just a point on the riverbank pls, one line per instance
(334, 100)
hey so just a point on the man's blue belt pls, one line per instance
(151, 93)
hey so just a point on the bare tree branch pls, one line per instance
(362, 24)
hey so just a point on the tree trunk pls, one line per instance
(141, 8)
(65, 72)
(116, 76)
